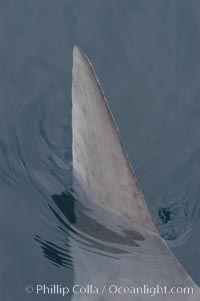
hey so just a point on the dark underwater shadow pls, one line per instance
(77, 224)
(78, 215)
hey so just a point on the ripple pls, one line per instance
(36, 161)
(35, 153)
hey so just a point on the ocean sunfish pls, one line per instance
(125, 258)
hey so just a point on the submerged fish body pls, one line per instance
(103, 174)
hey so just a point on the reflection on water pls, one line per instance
(57, 255)
(78, 223)
(84, 220)
(42, 222)
(56, 222)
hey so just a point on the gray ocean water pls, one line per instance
(147, 57)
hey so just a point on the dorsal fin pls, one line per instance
(100, 162)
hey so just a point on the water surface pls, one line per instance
(146, 55)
